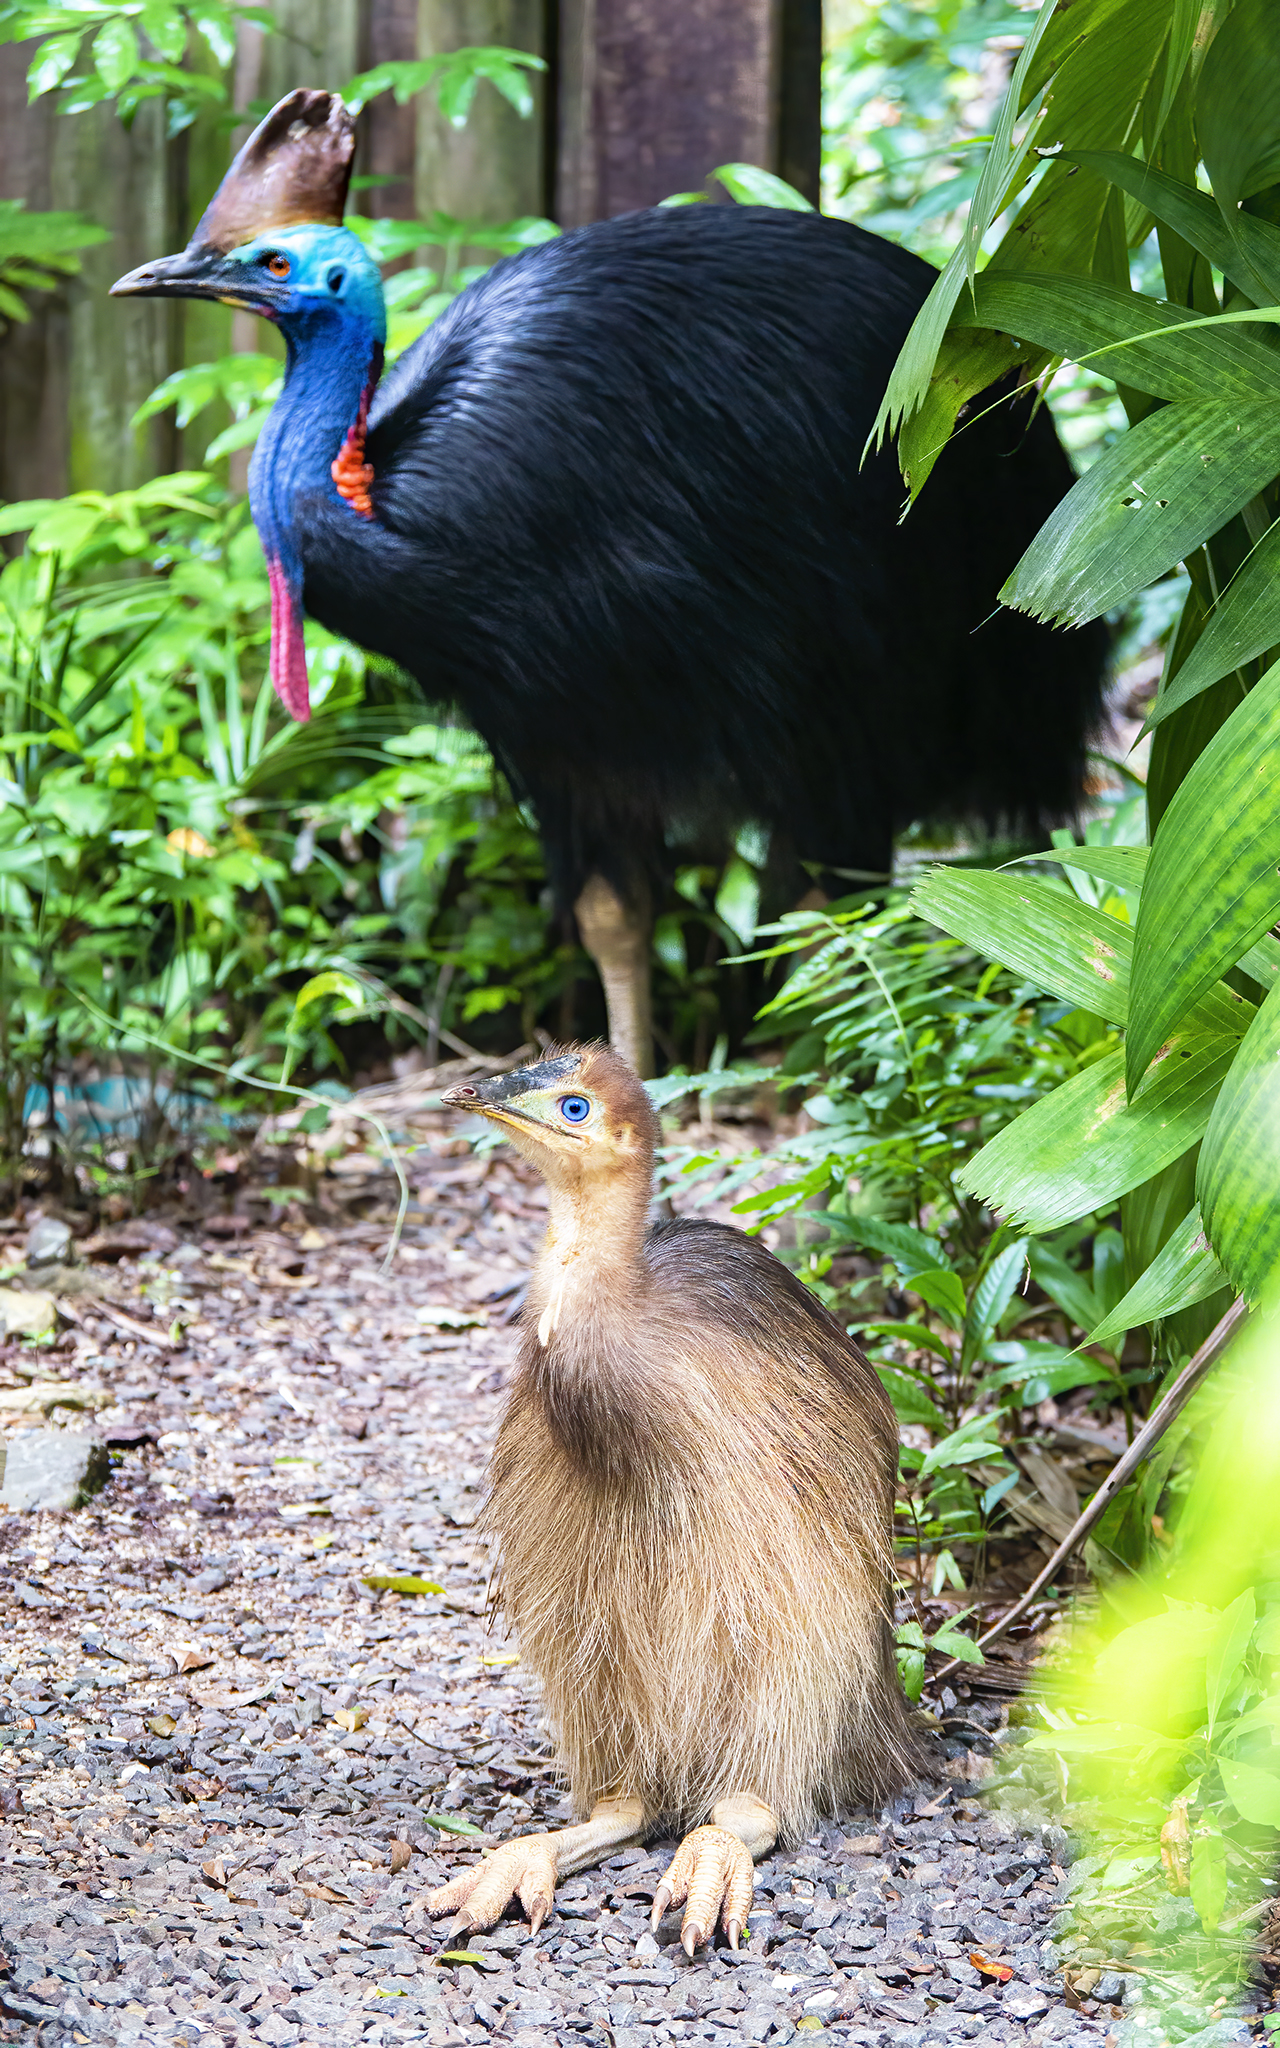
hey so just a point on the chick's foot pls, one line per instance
(712, 1877)
(523, 1869)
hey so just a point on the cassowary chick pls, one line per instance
(691, 1498)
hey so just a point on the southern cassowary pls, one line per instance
(613, 503)
(691, 1499)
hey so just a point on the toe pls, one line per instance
(524, 1869)
(711, 1875)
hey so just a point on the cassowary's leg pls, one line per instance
(616, 935)
(528, 1867)
(711, 1874)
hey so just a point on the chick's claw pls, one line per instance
(523, 1869)
(711, 1875)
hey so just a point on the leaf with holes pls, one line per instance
(1212, 885)
(1146, 503)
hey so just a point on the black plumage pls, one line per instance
(623, 519)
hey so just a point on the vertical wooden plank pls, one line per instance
(34, 355)
(653, 94)
(491, 170)
(388, 133)
(120, 348)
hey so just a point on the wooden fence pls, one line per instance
(641, 98)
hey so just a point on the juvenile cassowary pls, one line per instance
(691, 1499)
(613, 504)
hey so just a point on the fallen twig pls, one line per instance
(1148, 1436)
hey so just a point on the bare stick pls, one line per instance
(1144, 1442)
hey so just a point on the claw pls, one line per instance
(711, 1876)
(524, 1868)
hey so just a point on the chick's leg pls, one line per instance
(711, 1874)
(528, 1867)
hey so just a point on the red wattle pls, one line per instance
(288, 654)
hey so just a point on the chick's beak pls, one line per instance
(195, 274)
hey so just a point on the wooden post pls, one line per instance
(654, 94)
(491, 170)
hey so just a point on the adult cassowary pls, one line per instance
(614, 505)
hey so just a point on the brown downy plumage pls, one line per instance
(691, 1494)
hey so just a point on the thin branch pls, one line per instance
(1144, 1442)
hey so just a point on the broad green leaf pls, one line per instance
(990, 1299)
(1001, 171)
(1208, 1876)
(1253, 1792)
(1211, 888)
(1262, 962)
(911, 1251)
(1250, 258)
(451, 1824)
(974, 1439)
(967, 364)
(950, 1641)
(344, 987)
(1180, 1275)
(1238, 105)
(1084, 1145)
(1048, 1369)
(1125, 866)
(1085, 321)
(943, 1291)
(1226, 1652)
(910, 1402)
(904, 1333)
(1238, 1179)
(115, 53)
(1059, 943)
(165, 29)
(751, 186)
(1070, 1289)
(1166, 486)
(1243, 624)
(51, 63)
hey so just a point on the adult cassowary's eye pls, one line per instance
(278, 265)
(575, 1109)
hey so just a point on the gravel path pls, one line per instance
(229, 1767)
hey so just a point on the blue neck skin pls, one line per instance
(335, 358)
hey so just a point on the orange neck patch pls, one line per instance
(352, 475)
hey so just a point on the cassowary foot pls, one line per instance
(712, 1877)
(523, 1869)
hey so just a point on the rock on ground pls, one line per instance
(214, 1732)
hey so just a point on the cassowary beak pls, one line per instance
(202, 273)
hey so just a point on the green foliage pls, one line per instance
(36, 249)
(97, 51)
(904, 96)
(177, 860)
(455, 74)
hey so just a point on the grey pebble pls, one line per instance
(236, 1866)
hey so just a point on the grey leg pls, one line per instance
(617, 938)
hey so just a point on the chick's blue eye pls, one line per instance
(575, 1109)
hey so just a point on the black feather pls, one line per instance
(624, 521)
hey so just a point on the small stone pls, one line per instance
(48, 1242)
(278, 2031)
(1023, 2002)
(52, 1469)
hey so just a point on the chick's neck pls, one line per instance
(590, 1270)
